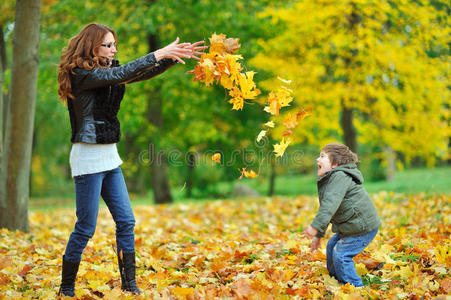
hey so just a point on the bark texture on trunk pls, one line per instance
(19, 129)
(158, 167)
(349, 132)
(272, 179)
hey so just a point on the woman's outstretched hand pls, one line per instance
(177, 51)
(196, 48)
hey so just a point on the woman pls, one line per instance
(93, 84)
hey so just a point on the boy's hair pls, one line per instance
(340, 154)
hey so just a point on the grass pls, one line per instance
(410, 181)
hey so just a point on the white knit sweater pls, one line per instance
(93, 158)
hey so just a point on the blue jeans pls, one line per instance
(341, 251)
(88, 189)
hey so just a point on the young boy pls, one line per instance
(345, 204)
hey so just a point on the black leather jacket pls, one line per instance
(98, 94)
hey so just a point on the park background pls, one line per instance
(375, 74)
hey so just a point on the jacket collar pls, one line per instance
(339, 168)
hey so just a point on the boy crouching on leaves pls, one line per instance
(345, 204)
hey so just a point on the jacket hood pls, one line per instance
(350, 169)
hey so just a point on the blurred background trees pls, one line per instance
(375, 74)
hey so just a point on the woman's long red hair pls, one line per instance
(81, 52)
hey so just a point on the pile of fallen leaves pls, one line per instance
(247, 248)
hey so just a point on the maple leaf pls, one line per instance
(237, 98)
(269, 124)
(250, 174)
(280, 148)
(247, 85)
(216, 157)
(277, 100)
(229, 69)
(217, 38)
(231, 45)
(284, 96)
(274, 104)
(217, 48)
(370, 262)
(247, 90)
(287, 133)
(247, 174)
(179, 291)
(242, 289)
(446, 285)
(261, 135)
(284, 80)
(234, 66)
(290, 121)
(5, 262)
(25, 270)
(302, 114)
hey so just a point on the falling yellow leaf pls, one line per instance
(247, 174)
(270, 124)
(220, 65)
(280, 148)
(216, 157)
(290, 121)
(261, 135)
(284, 80)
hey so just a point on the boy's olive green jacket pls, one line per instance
(345, 203)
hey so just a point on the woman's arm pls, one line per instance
(97, 77)
(165, 61)
(161, 66)
(87, 79)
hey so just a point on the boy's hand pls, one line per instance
(315, 244)
(310, 232)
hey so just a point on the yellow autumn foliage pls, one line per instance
(247, 249)
(388, 61)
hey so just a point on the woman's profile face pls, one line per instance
(108, 47)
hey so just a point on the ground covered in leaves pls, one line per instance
(247, 248)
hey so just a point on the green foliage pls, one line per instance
(309, 42)
(195, 118)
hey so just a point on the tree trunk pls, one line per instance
(2, 118)
(349, 132)
(159, 176)
(2, 102)
(158, 166)
(19, 129)
(391, 163)
(190, 175)
(272, 178)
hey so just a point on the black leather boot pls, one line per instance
(68, 276)
(127, 268)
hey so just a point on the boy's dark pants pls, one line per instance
(341, 251)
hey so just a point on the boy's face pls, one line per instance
(324, 164)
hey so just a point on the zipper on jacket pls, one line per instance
(109, 94)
